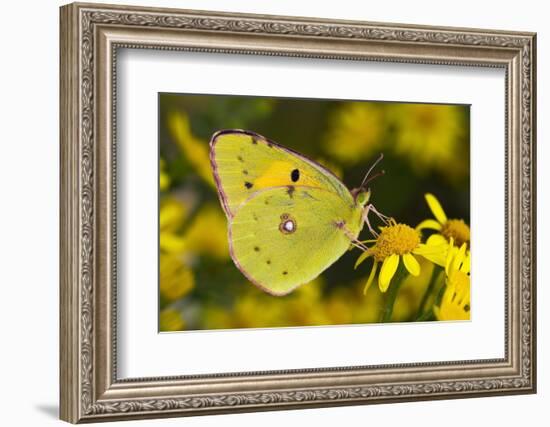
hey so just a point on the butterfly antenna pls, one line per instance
(365, 179)
(376, 175)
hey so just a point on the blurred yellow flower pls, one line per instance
(455, 303)
(171, 320)
(164, 178)
(253, 312)
(432, 137)
(173, 213)
(195, 149)
(176, 279)
(340, 307)
(217, 316)
(399, 241)
(207, 233)
(172, 217)
(455, 229)
(355, 132)
(307, 306)
(372, 305)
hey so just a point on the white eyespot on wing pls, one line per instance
(288, 224)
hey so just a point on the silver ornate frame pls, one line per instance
(90, 36)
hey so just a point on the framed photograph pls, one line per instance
(266, 212)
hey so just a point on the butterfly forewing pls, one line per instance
(244, 163)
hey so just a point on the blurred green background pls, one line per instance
(426, 149)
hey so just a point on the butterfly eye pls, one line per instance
(295, 175)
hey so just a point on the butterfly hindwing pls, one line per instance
(283, 237)
(245, 162)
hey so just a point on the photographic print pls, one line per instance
(280, 212)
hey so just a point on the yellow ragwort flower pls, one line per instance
(176, 278)
(455, 229)
(433, 137)
(164, 178)
(356, 132)
(455, 304)
(399, 241)
(204, 234)
(207, 233)
(172, 217)
(171, 320)
(196, 150)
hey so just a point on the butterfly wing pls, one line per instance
(283, 237)
(245, 162)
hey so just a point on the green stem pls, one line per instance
(440, 293)
(392, 292)
(428, 315)
(433, 280)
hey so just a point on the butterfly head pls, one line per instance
(362, 196)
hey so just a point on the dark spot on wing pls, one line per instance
(256, 248)
(245, 172)
(268, 262)
(269, 144)
(255, 217)
(290, 191)
(248, 185)
(295, 175)
(285, 273)
(254, 140)
(240, 159)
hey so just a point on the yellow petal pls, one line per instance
(453, 250)
(459, 257)
(371, 278)
(362, 258)
(465, 268)
(436, 208)
(389, 267)
(411, 264)
(164, 181)
(172, 243)
(436, 240)
(434, 253)
(432, 224)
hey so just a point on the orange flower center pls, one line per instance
(458, 230)
(395, 239)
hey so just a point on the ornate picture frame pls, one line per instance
(90, 37)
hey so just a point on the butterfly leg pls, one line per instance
(359, 244)
(353, 240)
(383, 218)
